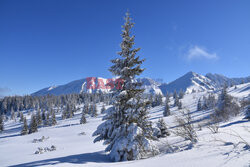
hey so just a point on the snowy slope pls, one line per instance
(188, 82)
(240, 91)
(150, 86)
(74, 149)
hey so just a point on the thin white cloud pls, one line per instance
(196, 52)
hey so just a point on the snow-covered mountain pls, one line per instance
(76, 86)
(220, 80)
(187, 83)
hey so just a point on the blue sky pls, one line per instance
(51, 42)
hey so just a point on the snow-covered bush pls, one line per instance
(41, 150)
(82, 134)
(42, 139)
(161, 130)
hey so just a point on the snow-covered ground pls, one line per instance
(74, 149)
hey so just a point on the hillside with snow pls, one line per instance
(75, 147)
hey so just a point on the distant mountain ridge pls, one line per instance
(79, 86)
(220, 80)
(189, 82)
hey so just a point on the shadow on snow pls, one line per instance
(234, 123)
(97, 157)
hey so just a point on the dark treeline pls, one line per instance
(19, 103)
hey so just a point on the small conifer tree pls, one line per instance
(53, 119)
(166, 110)
(25, 127)
(21, 117)
(39, 117)
(1, 122)
(247, 112)
(43, 115)
(94, 111)
(176, 101)
(33, 124)
(103, 109)
(199, 105)
(83, 118)
(180, 105)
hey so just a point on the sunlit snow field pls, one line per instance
(75, 149)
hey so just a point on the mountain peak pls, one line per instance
(188, 82)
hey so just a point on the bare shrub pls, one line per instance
(213, 124)
(185, 128)
(214, 128)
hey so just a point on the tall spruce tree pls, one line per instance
(25, 127)
(123, 130)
